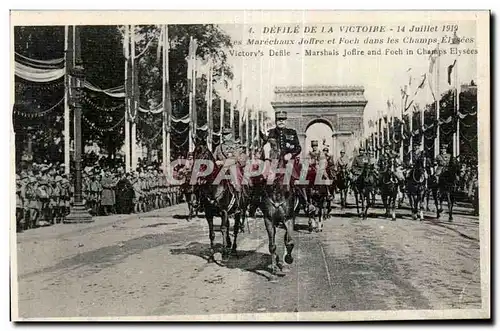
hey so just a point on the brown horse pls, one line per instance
(218, 199)
(277, 206)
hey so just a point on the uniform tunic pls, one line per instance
(442, 160)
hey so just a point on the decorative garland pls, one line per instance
(99, 129)
(97, 107)
(39, 113)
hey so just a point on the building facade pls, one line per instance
(339, 107)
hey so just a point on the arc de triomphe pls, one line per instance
(339, 107)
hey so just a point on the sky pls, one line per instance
(381, 76)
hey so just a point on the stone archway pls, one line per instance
(319, 130)
(341, 107)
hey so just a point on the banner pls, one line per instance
(38, 75)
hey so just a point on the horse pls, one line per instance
(319, 197)
(416, 187)
(218, 199)
(448, 187)
(189, 192)
(389, 189)
(277, 206)
(342, 184)
(363, 187)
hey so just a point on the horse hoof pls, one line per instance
(288, 259)
(217, 257)
(280, 273)
(273, 279)
(450, 219)
(414, 217)
(285, 269)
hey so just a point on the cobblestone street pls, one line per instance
(156, 264)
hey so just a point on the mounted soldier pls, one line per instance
(227, 154)
(289, 145)
(442, 160)
(358, 164)
(342, 162)
(315, 154)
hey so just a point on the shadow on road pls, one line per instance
(449, 226)
(252, 261)
(104, 257)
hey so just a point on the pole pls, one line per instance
(134, 103)
(68, 44)
(78, 213)
(231, 110)
(410, 118)
(222, 105)
(166, 103)
(437, 140)
(193, 82)
(210, 118)
(401, 147)
(458, 110)
(126, 41)
(247, 128)
(190, 77)
(241, 112)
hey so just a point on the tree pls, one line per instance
(212, 43)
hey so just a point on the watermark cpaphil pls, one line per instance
(241, 175)
(201, 168)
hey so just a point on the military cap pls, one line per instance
(58, 178)
(190, 153)
(444, 146)
(325, 148)
(226, 131)
(361, 149)
(281, 115)
(314, 143)
(342, 152)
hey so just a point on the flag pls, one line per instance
(191, 59)
(209, 83)
(432, 58)
(450, 70)
(160, 44)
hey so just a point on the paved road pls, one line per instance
(156, 264)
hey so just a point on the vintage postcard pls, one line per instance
(250, 165)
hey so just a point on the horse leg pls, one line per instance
(357, 202)
(271, 233)
(421, 207)
(436, 201)
(369, 195)
(289, 242)
(393, 205)
(384, 202)
(319, 223)
(310, 215)
(225, 234)
(450, 205)
(211, 233)
(236, 229)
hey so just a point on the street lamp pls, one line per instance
(78, 213)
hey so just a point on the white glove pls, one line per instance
(288, 156)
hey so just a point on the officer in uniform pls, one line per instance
(315, 154)
(342, 162)
(383, 160)
(226, 155)
(289, 145)
(287, 138)
(442, 160)
(358, 163)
